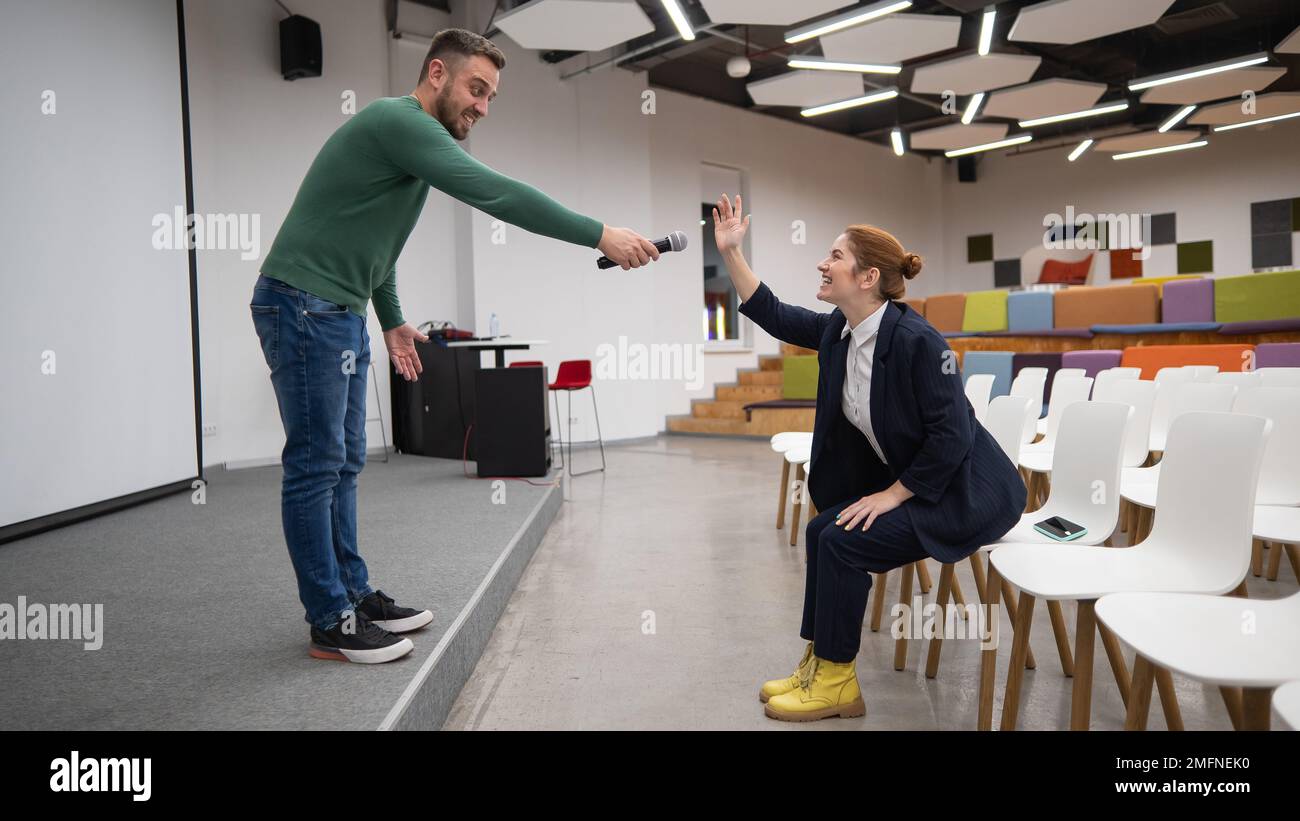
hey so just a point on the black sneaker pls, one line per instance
(367, 643)
(381, 610)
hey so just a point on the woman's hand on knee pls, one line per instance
(866, 509)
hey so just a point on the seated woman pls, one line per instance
(901, 470)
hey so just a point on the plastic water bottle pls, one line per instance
(494, 327)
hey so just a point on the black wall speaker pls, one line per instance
(966, 169)
(300, 54)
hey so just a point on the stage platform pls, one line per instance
(202, 628)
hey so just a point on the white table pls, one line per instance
(499, 345)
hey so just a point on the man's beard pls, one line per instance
(451, 120)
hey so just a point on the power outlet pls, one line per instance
(209, 430)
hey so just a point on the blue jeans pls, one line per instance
(319, 355)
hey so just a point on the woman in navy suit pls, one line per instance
(901, 470)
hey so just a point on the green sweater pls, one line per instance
(362, 196)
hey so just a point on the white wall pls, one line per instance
(1210, 189)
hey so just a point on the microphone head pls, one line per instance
(677, 241)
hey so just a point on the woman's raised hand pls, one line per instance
(728, 227)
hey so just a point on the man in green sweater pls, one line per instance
(337, 251)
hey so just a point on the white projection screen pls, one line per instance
(98, 401)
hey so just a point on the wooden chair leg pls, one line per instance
(1016, 670)
(958, 596)
(977, 570)
(1240, 591)
(1139, 702)
(878, 601)
(1274, 560)
(1031, 496)
(1115, 655)
(1257, 558)
(1062, 637)
(1085, 631)
(1044, 488)
(1232, 700)
(1009, 596)
(946, 579)
(989, 654)
(1256, 708)
(783, 494)
(1124, 506)
(798, 506)
(1293, 554)
(905, 598)
(1169, 700)
(923, 576)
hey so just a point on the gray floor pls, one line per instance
(681, 530)
(203, 629)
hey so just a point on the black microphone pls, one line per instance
(675, 241)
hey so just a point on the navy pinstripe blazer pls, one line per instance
(967, 492)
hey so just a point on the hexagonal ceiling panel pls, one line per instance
(948, 137)
(805, 87)
(1074, 21)
(894, 39)
(575, 25)
(1145, 140)
(769, 12)
(1266, 105)
(972, 73)
(1045, 97)
(1214, 86)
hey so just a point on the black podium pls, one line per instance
(513, 431)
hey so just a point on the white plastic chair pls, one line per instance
(1105, 378)
(1202, 637)
(1242, 379)
(1279, 377)
(1167, 379)
(1071, 372)
(1141, 395)
(1199, 543)
(1138, 484)
(1286, 701)
(1031, 382)
(1007, 420)
(1277, 505)
(1203, 373)
(781, 442)
(1037, 456)
(979, 386)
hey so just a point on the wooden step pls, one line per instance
(771, 363)
(717, 409)
(764, 423)
(691, 424)
(755, 377)
(794, 350)
(749, 393)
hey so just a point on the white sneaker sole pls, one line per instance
(407, 624)
(377, 656)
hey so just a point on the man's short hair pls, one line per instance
(454, 45)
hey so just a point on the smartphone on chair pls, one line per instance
(1060, 530)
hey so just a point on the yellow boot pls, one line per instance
(826, 689)
(779, 686)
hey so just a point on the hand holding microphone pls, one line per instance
(628, 249)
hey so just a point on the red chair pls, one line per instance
(575, 374)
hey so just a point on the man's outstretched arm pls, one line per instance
(421, 146)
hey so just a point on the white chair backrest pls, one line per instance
(1211, 397)
(1141, 395)
(1205, 501)
(1031, 385)
(1007, 419)
(1109, 376)
(1242, 379)
(1167, 379)
(1071, 372)
(1279, 478)
(978, 388)
(1202, 373)
(1066, 390)
(1280, 377)
(783, 441)
(1089, 446)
